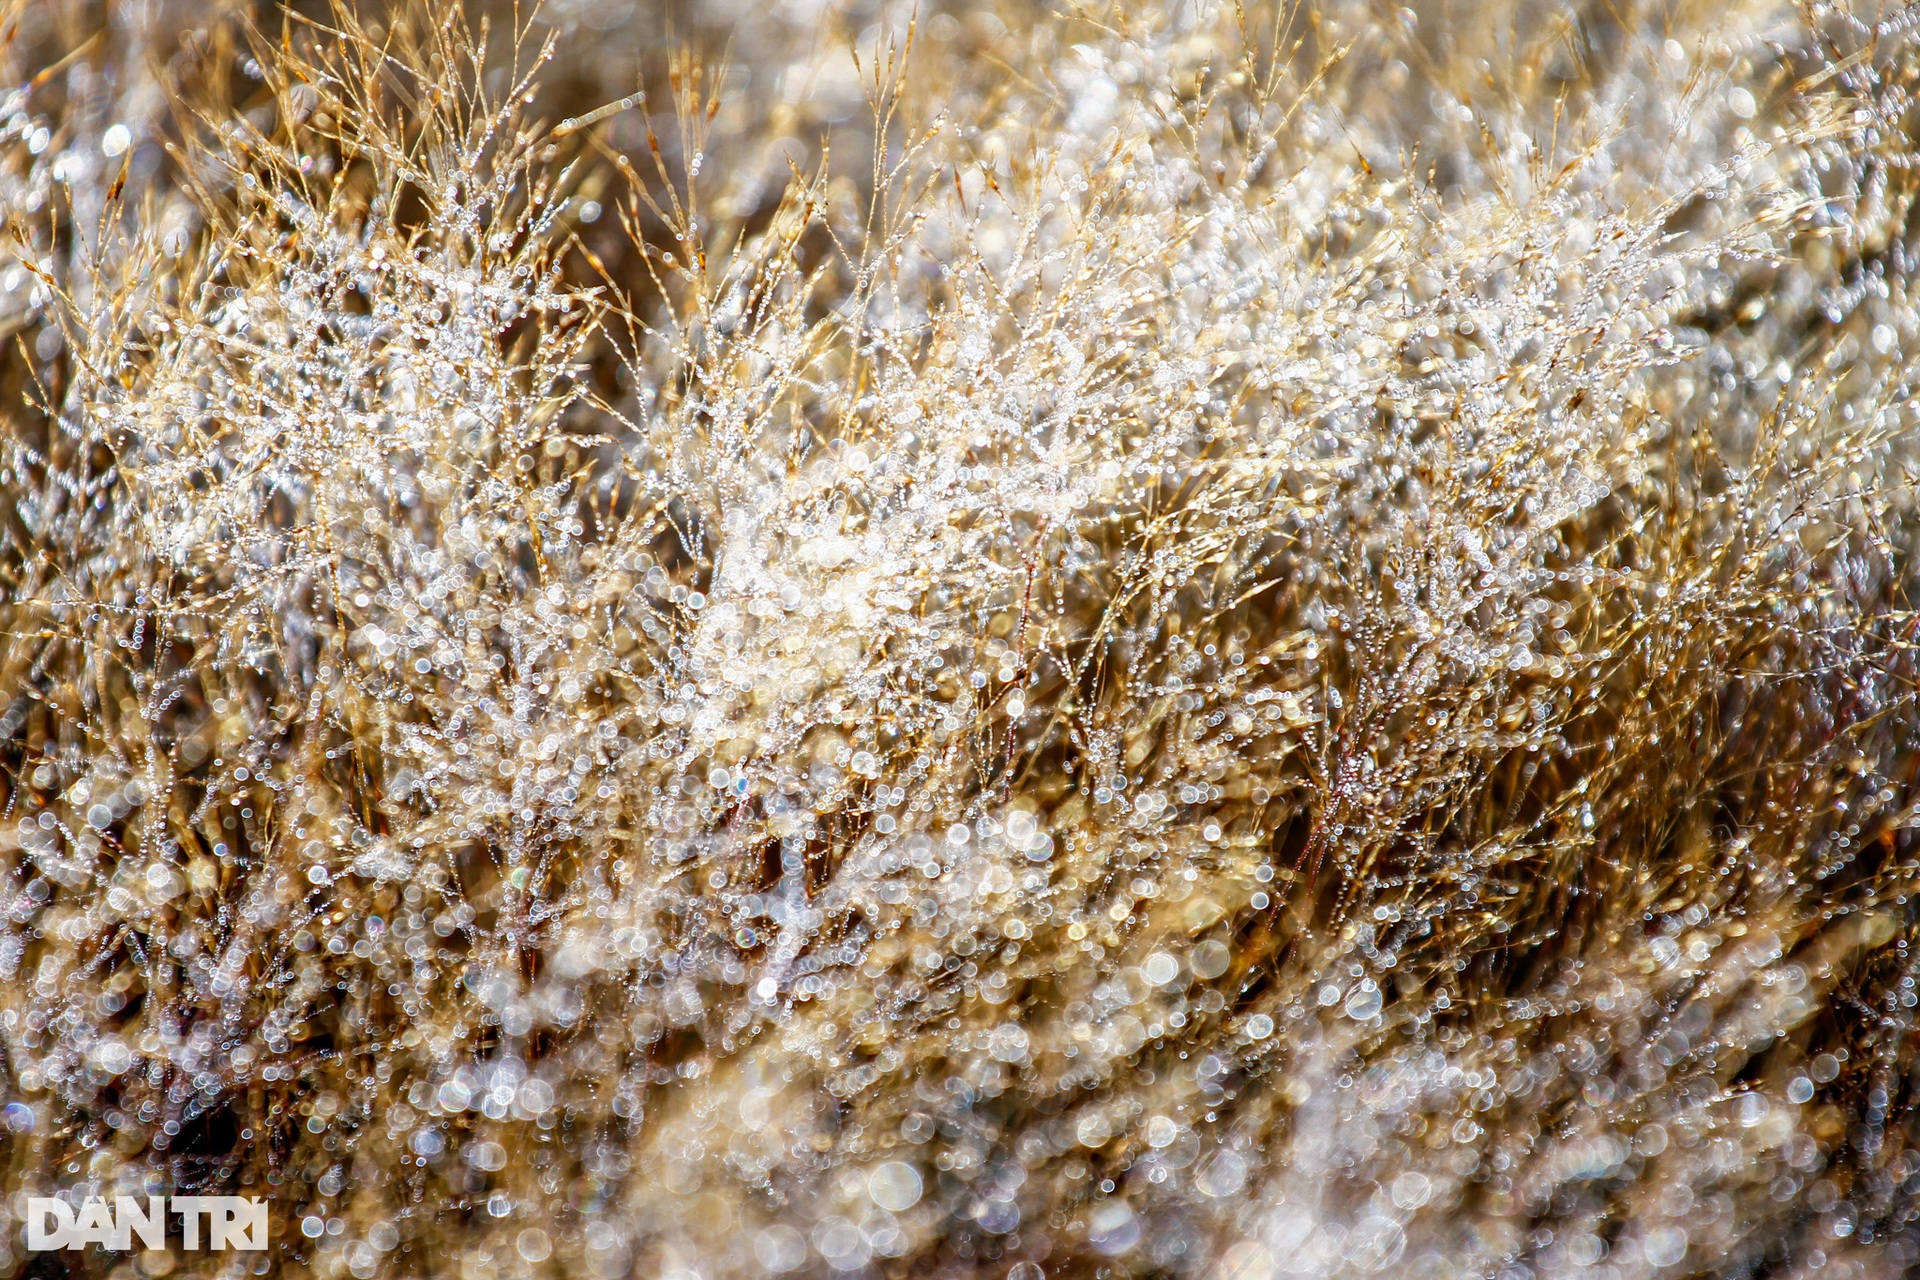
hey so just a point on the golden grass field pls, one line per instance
(837, 640)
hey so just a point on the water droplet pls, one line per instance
(894, 1186)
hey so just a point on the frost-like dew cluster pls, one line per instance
(1210, 642)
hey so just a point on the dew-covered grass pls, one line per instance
(996, 640)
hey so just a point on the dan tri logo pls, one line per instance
(232, 1222)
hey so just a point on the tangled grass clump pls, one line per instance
(1161, 641)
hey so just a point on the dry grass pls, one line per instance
(1120, 642)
